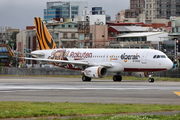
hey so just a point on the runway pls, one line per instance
(55, 89)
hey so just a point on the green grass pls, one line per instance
(131, 117)
(45, 109)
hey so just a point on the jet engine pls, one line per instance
(141, 74)
(95, 72)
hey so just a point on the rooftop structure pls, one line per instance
(97, 11)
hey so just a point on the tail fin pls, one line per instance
(10, 51)
(45, 40)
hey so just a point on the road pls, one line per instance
(55, 89)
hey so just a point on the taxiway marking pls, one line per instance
(177, 93)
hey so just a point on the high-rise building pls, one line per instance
(136, 7)
(64, 9)
(154, 9)
(162, 9)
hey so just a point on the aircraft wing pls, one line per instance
(105, 64)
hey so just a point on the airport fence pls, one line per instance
(38, 71)
(175, 73)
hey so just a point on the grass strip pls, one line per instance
(130, 117)
(45, 109)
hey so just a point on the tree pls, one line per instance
(12, 42)
(13, 36)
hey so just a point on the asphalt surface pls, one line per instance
(55, 89)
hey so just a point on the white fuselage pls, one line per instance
(122, 60)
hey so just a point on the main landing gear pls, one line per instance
(86, 79)
(117, 78)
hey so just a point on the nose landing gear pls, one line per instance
(151, 80)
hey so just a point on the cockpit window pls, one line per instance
(159, 56)
(163, 56)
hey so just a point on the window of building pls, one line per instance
(74, 8)
(63, 26)
(65, 35)
(57, 43)
(56, 36)
(69, 26)
(73, 35)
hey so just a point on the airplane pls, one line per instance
(97, 63)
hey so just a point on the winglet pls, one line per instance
(45, 40)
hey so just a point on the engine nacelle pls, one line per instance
(140, 74)
(95, 72)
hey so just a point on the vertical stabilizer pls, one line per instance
(45, 40)
(11, 53)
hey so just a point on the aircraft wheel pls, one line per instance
(83, 78)
(117, 78)
(86, 79)
(151, 80)
(120, 78)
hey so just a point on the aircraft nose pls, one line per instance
(169, 64)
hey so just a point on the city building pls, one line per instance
(64, 34)
(120, 16)
(162, 9)
(64, 9)
(153, 9)
(100, 11)
(99, 35)
(93, 31)
(26, 41)
(5, 33)
(97, 11)
(136, 8)
(140, 40)
(5, 55)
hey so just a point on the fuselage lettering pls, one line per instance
(81, 55)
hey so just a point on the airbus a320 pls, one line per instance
(97, 63)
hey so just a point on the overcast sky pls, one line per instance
(18, 14)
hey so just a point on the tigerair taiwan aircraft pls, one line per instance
(96, 63)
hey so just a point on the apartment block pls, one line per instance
(64, 9)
